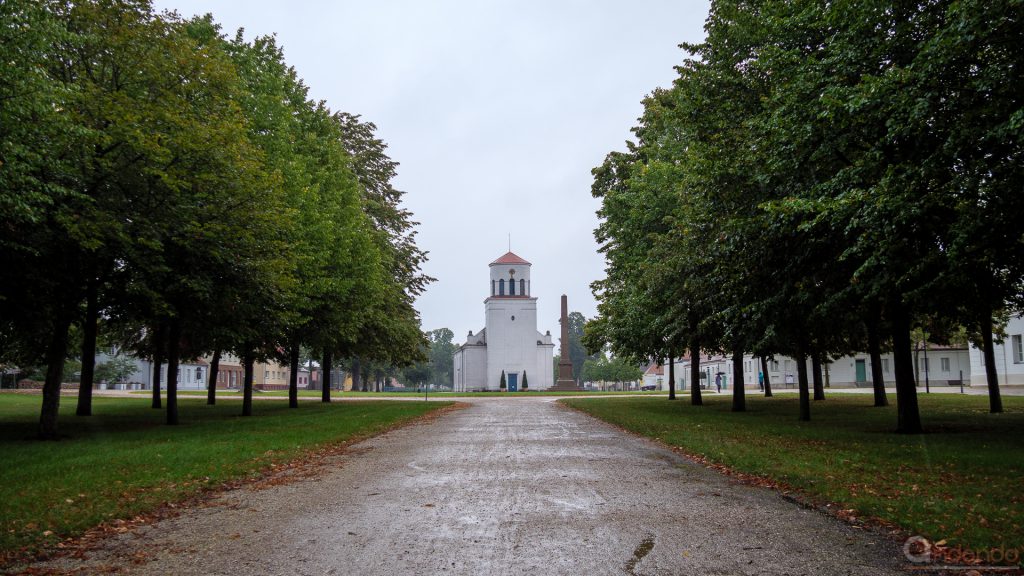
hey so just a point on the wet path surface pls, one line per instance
(519, 486)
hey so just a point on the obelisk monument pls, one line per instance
(565, 382)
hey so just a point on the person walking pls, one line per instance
(718, 382)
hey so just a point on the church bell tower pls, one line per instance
(511, 320)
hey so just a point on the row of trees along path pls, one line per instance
(819, 179)
(177, 190)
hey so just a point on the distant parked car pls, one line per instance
(648, 387)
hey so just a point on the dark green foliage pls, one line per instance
(819, 172)
(187, 184)
(114, 370)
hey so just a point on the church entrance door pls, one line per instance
(513, 382)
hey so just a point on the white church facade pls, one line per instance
(510, 341)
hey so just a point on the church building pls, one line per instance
(509, 341)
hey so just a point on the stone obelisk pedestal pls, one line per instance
(565, 382)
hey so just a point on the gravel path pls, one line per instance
(520, 486)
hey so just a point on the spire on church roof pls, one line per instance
(510, 258)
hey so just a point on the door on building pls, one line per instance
(513, 382)
(862, 370)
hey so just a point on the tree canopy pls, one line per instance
(181, 185)
(818, 172)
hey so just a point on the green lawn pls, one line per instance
(124, 461)
(963, 481)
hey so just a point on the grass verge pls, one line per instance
(123, 461)
(962, 482)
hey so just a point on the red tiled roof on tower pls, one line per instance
(509, 258)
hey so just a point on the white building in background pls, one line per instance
(1009, 357)
(509, 341)
(943, 366)
(656, 375)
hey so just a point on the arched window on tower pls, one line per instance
(492, 287)
(511, 286)
(522, 287)
(501, 287)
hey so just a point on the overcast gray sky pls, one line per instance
(496, 110)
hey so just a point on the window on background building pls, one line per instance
(944, 364)
(775, 365)
(885, 365)
(501, 287)
(789, 366)
(492, 287)
(511, 287)
(1017, 342)
(266, 374)
(522, 287)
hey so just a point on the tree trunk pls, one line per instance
(875, 351)
(56, 352)
(767, 380)
(356, 375)
(211, 386)
(173, 352)
(326, 368)
(805, 395)
(695, 396)
(248, 360)
(86, 379)
(739, 389)
(293, 375)
(366, 376)
(995, 400)
(908, 414)
(159, 349)
(671, 378)
(819, 383)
